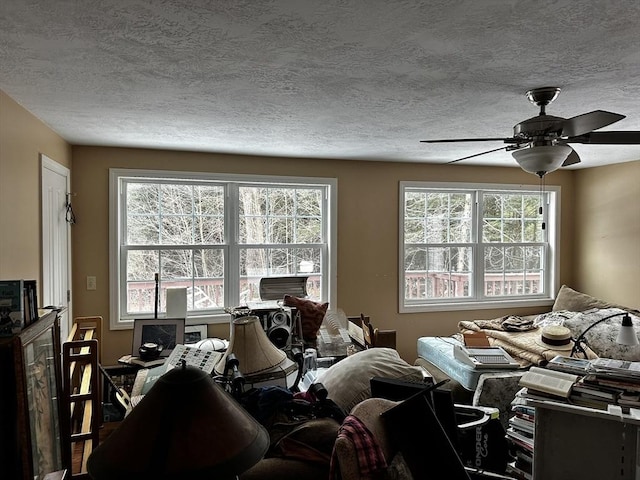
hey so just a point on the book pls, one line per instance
(152, 375)
(629, 399)
(525, 416)
(131, 360)
(524, 457)
(595, 390)
(619, 368)
(578, 366)
(514, 469)
(589, 402)
(519, 423)
(521, 409)
(520, 438)
(31, 301)
(627, 385)
(550, 382)
(12, 317)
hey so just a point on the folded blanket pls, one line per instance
(510, 323)
(521, 345)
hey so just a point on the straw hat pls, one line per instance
(555, 337)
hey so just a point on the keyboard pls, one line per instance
(205, 360)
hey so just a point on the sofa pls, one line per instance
(572, 309)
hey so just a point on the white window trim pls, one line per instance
(115, 223)
(552, 219)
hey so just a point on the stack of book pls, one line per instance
(542, 384)
(613, 381)
(520, 436)
(545, 384)
(589, 383)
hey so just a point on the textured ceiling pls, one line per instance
(333, 79)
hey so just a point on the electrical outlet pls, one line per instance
(91, 283)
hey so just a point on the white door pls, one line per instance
(56, 240)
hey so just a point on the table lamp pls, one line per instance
(251, 346)
(186, 426)
(626, 336)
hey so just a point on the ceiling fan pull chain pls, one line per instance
(541, 175)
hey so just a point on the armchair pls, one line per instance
(346, 455)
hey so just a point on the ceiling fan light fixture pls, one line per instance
(542, 159)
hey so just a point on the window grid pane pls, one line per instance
(257, 262)
(177, 229)
(269, 215)
(440, 265)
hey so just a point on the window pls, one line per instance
(216, 236)
(476, 246)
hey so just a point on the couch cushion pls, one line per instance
(348, 381)
(574, 301)
(602, 337)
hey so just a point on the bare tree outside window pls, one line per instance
(180, 229)
(472, 244)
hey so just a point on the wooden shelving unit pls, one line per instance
(81, 393)
(30, 426)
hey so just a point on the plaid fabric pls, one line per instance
(368, 451)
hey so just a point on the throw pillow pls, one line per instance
(602, 337)
(311, 315)
(348, 381)
(573, 301)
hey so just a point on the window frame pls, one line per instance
(551, 217)
(231, 245)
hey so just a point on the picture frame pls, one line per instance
(167, 332)
(194, 333)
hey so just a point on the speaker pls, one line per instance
(277, 323)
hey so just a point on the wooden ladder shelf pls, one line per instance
(81, 393)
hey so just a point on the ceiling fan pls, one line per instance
(540, 144)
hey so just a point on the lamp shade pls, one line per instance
(627, 334)
(251, 346)
(186, 426)
(541, 159)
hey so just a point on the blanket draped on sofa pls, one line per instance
(523, 345)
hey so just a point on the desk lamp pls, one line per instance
(626, 335)
(186, 427)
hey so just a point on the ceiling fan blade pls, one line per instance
(572, 159)
(454, 140)
(585, 123)
(477, 155)
(607, 138)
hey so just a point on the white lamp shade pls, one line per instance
(543, 159)
(251, 346)
(627, 334)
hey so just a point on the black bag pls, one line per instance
(485, 447)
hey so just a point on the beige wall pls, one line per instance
(607, 249)
(367, 229)
(22, 138)
(599, 209)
